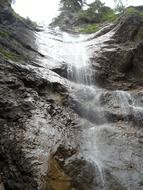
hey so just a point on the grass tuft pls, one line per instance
(89, 29)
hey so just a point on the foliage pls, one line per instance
(132, 10)
(97, 13)
(93, 13)
(90, 28)
(71, 5)
(7, 54)
(109, 16)
(4, 33)
(140, 34)
(73, 14)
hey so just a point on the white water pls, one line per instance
(77, 58)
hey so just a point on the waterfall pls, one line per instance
(77, 58)
(103, 112)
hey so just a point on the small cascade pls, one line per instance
(123, 99)
(98, 137)
(77, 59)
(129, 106)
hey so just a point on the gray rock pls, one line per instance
(56, 134)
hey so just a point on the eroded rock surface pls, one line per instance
(119, 67)
(57, 133)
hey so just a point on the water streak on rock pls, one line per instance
(103, 112)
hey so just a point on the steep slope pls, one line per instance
(121, 58)
(60, 133)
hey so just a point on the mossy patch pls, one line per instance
(4, 33)
(132, 10)
(89, 29)
(7, 54)
(140, 34)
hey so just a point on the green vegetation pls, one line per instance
(71, 5)
(7, 54)
(88, 17)
(132, 10)
(140, 34)
(94, 16)
(110, 16)
(4, 33)
(93, 13)
(89, 29)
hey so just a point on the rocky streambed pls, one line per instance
(71, 112)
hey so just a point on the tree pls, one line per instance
(120, 5)
(71, 5)
(96, 6)
(93, 13)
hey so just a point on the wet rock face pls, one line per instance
(137, 63)
(80, 174)
(130, 22)
(32, 120)
(118, 58)
(56, 134)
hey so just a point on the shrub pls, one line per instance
(90, 28)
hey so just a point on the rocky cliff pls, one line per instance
(53, 134)
(120, 63)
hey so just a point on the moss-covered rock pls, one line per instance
(7, 54)
(4, 33)
(134, 10)
(140, 33)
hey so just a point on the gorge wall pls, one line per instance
(61, 133)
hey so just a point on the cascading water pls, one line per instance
(100, 142)
(77, 58)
